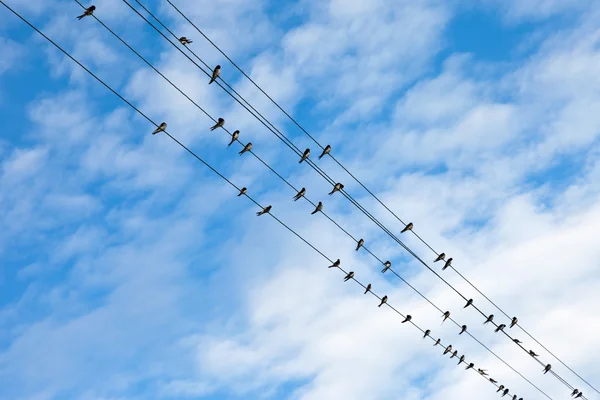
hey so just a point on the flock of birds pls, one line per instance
(350, 275)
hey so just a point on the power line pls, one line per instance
(220, 175)
(297, 151)
(370, 192)
(296, 191)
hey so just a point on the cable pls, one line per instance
(296, 190)
(370, 192)
(216, 171)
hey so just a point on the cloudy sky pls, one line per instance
(128, 270)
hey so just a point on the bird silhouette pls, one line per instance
(387, 266)
(441, 257)
(219, 124)
(318, 208)
(246, 148)
(547, 368)
(448, 263)
(489, 319)
(299, 194)
(407, 319)
(427, 332)
(359, 244)
(215, 74)
(368, 289)
(304, 156)
(265, 210)
(161, 128)
(513, 322)
(469, 302)
(327, 150)
(234, 137)
(183, 40)
(446, 315)
(336, 188)
(335, 264)
(500, 328)
(349, 276)
(463, 329)
(408, 227)
(88, 11)
(242, 191)
(383, 301)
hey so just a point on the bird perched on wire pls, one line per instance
(161, 128)
(493, 380)
(407, 319)
(88, 11)
(318, 208)
(300, 194)
(532, 353)
(335, 264)
(360, 244)
(469, 302)
(575, 392)
(579, 395)
(447, 350)
(437, 342)
(427, 333)
(234, 137)
(500, 328)
(336, 188)
(482, 371)
(454, 354)
(305, 155)
(514, 397)
(505, 392)
(463, 329)
(448, 263)
(461, 359)
(514, 321)
(242, 192)
(471, 365)
(367, 289)
(215, 74)
(441, 257)
(383, 301)
(489, 319)
(408, 227)
(327, 150)
(219, 124)
(547, 368)
(500, 388)
(265, 210)
(387, 266)
(517, 341)
(446, 315)
(246, 148)
(183, 40)
(349, 276)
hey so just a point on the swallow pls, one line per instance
(505, 392)
(318, 208)
(441, 257)
(368, 289)
(349, 276)
(446, 315)
(575, 392)
(493, 380)
(387, 266)
(360, 243)
(461, 359)
(299, 194)
(547, 368)
(463, 329)
(482, 371)
(88, 11)
(242, 191)
(326, 151)
(517, 341)
(579, 395)
(448, 263)
(336, 188)
(215, 74)
(469, 302)
(304, 156)
(183, 40)
(219, 124)
(335, 264)
(437, 342)
(448, 350)
(513, 322)
(500, 328)
(489, 319)
(161, 128)
(407, 319)
(455, 354)
(427, 332)
(514, 397)
(408, 227)
(383, 301)
(246, 148)
(234, 137)
(264, 211)
(500, 388)
(471, 365)
(532, 353)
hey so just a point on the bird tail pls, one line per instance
(213, 128)
(239, 195)
(300, 162)
(241, 152)
(314, 212)
(81, 16)
(330, 193)
(321, 156)
(211, 81)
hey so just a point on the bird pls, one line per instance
(448, 350)
(547, 368)
(441, 257)
(408, 227)
(514, 397)
(349, 276)
(242, 191)
(383, 301)
(461, 359)
(448, 263)
(183, 40)
(513, 322)
(427, 332)
(437, 342)
(336, 188)
(455, 354)
(318, 208)
(407, 319)
(304, 156)
(215, 74)
(88, 11)
(387, 266)
(500, 328)
(463, 329)
(493, 380)
(482, 371)
(360, 243)
(299, 194)
(335, 264)
(234, 137)
(575, 392)
(517, 341)
(469, 302)
(246, 148)
(327, 150)
(579, 395)
(368, 289)
(500, 388)
(160, 128)
(264, 211)
(532, 353)
(446, 315)
(505, 392)
(489, 319)
(471, 365)
(219, 124)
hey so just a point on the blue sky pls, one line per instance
(130, 271)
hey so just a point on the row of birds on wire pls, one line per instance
(338, 187)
